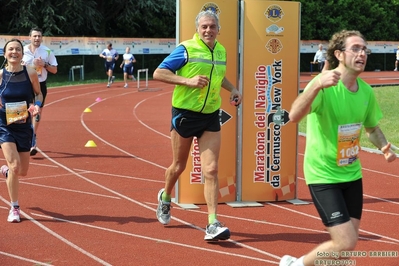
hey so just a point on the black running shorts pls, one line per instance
(193, 124)
(337, 203)
(22, 137)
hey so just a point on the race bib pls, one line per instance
(348, 143)
(39, 70)
(16, 112)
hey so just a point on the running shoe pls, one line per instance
(163, 209)
(33, 149)
(125, 85)
(4, 170)
(216, 231)
(108, 85)
(13, 216)
(287, 260)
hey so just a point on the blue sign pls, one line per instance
(146, 50)
(75, 50)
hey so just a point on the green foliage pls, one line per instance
(376, 19)
(117, 18)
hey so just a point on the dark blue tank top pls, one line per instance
(15, 87)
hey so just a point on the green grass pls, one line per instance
(389, 124)
(89, 78)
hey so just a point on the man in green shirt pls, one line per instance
(338, 105)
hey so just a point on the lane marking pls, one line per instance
(25, 259)
(158, 240)
(59, 237)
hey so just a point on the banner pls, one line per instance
(190, 187)
(271, 80)
(95, 45)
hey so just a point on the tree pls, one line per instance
(375, 19)
(138, 18)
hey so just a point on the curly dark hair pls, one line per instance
(337, 42)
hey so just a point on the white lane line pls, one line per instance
(64, 240)
(144, 124)
(146, 206)
(115, 175)
(110, 144)
(70, 190)
(158, 240)
(25, 259)
(381, 199)
(381, 212)
(280, 224)
(365, 238)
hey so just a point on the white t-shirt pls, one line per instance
(42, 52)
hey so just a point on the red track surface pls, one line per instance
(96, 206)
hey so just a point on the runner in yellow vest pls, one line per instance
(198, 68)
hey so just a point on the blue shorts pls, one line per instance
(337, 203)
(109, 66)
(21, 136)
(128, 69)
(189, 124)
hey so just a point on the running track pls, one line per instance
(96, 206)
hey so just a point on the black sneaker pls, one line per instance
(33, 151)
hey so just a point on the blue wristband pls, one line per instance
(39, 103)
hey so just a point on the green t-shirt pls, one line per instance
(333, 132)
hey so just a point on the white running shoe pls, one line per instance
(13, 216)
(163, 209)
(125, 85)
(4, 170)
(108, 85)
(216, 231)
(287, 260)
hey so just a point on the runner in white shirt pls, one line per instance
(111, 56)
(127, 65)
(42, 59)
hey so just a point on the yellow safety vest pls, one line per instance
(201, 60)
